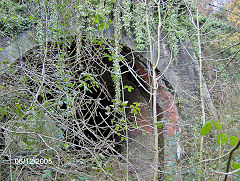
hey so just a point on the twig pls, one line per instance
(230, 157)
(229, 173)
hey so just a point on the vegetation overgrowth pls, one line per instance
(47, 94)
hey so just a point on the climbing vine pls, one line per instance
(116, 59)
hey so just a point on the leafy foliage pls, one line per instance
(13, 17)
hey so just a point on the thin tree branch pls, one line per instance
(230, 157)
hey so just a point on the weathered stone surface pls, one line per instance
(22, 44)
(182, 75)
(18, 138)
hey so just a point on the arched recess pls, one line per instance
(86, 88)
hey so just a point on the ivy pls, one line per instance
(127, 16)
(13, 17)
(116, 59)
(135, 107)
(139, 25)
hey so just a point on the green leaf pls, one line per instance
(122, 138)
(222, 138)
(106, 26)
(31, 17)
(236, 166)
(70, 85)
(19, 112)
(17, 105)
(66, 146)
(159, 125)
(137, 108)
(218, 125)
(47, 173)
(124, 103)
(233, 140)
(137, 103)
(206, 128)
(130, 88)
(135, 111)
(110, 58)
(102, 26)
(1, 49)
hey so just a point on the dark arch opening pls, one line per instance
(99, 125)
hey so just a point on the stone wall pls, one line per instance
(178, 83)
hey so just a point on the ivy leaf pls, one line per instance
(206, 128)
(222, 138)
(233, 140)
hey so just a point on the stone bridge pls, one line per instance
(178, 95)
